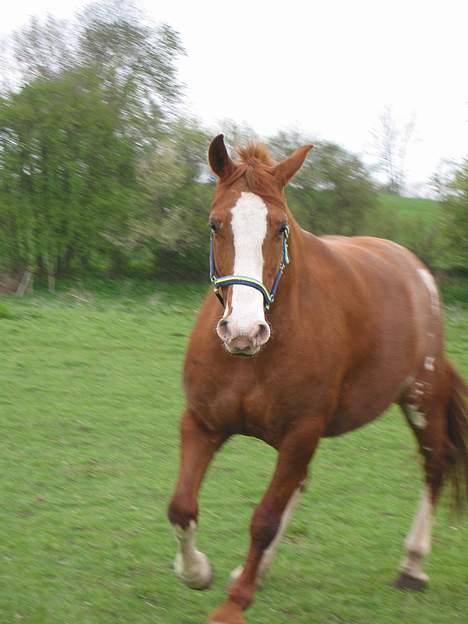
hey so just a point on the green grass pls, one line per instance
(89, 406)
(413, 207)
(5, 312)
(416, 223)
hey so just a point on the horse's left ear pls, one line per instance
(219, 159)
(285, 170)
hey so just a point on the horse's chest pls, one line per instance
(251, 404)
(240, 409)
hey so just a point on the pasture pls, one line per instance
(411, 207)
(89, 406)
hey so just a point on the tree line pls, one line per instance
(99, 171)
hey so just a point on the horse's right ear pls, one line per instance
(286, 169)
(220, 161)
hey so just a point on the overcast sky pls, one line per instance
(324, 67)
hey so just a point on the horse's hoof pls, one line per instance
(406, 582)
(198, 576)
(227, 613)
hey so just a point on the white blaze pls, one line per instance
(249, 227)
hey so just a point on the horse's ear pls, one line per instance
(285, 170)
(218, 158)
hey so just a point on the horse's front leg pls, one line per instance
(198, 445)
(294, 456)
(269, 554)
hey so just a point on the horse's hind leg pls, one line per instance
(198, 446)
(427, 409)
(417, 546)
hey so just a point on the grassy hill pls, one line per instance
(414, 223)
(419, 224)
(412, 207)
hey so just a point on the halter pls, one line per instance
(243, 280)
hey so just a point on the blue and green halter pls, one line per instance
(243, 280)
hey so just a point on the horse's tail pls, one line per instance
(457, 431)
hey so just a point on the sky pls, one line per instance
(326, 68)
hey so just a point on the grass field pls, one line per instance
(412, 207)
(89, 407)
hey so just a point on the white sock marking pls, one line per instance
(191, 565)
(418, 541)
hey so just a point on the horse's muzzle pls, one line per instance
(243, 343)
(243, 346)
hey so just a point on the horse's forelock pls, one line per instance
(255, 153)
(257, 167)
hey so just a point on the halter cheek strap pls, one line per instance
(243, 280)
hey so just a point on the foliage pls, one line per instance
(43, 49)
(454, 289)
(6, 312)
(99, 172)
(88, 108)
(455, 203)
(333, 192)
(174, 224)
(134, 63)
(66, 176)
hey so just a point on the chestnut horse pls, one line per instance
(353, 325)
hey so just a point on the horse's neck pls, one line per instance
(309, 257)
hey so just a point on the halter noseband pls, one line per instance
(242, 280)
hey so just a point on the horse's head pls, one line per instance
(249, 224)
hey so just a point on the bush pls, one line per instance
(5, 312)
(455, 204)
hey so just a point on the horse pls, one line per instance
(316, 336)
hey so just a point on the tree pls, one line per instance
(135, 63)
(66, 176)
(86, 111)
(43, 49)
(333, 192)
(174, 223)
(455, 203)
(391, 144)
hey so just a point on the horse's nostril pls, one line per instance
(223, 329)
(262, 334)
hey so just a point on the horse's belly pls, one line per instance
(345, 421)
(367, 395)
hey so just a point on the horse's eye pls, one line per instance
(214, 227)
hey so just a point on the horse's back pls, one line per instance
(385, 265)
